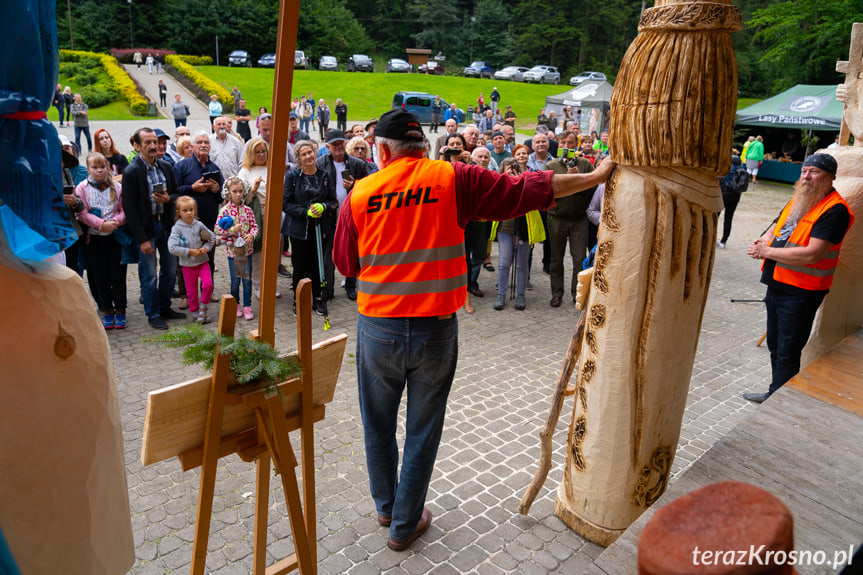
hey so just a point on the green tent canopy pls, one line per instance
(803, 107)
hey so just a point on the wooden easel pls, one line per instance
(271, 442)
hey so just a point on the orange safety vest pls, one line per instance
(817, 276)
(411, 247)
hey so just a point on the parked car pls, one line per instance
(239, 58)
(420, 104)
(511, 73)
(397, 65)
(432, 68)
(479, 69)
(300, 60)
(542, 75)
(328, 63)
(584, 76)
(267, 61)
(359, 63)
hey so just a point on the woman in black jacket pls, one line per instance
(310, 201)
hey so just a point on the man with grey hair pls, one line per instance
(413, 213)
(226, 151)
(451, 127)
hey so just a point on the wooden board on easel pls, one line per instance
(176, 415)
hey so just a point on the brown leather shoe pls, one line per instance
(422, 527)
(555, 302)
(477, 292)
(384, 521)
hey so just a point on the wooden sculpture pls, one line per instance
(841, 314)
(65, 505)
(672, 117)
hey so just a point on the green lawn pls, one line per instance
(746, 102)
(370, 95)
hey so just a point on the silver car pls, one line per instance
(397, 65)
(328, 63)
(584, 76)
(511, 73)
(542, 75)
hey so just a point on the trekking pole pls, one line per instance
(321, 272)
(514, 280)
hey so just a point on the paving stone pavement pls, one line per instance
(509, 361)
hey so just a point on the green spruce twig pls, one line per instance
(251, 360)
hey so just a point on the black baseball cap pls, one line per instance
(161, 134)
(399, 124)
(335, 136)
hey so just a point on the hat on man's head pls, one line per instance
(64, 141)
(824, 162)
(161, 134)
(292, 115)
(400, 124)
(496, 134)
(335, 136)
(372, 122)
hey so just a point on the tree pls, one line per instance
(805, 38)
(437, 20)
(490, 34)
(327, 27)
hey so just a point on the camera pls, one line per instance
(567, 156)
(448, 153)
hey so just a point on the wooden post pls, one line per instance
(289, 14)
(212, 438)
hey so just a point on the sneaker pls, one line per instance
(529, 285)
(239, 311)
(352, 293)
(519, 302)
(247, 313)
(318, 306)
(278, 294)
(120, 321)
(499, 302)
(720, 244)
(283, 271)
(108, 321)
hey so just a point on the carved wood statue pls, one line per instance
(672, 119)
(842, 311)
(65, 505)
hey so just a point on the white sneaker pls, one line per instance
(720, 244)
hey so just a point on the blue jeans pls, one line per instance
(789, 321)
(178, 122)
(304, 124)
(247, 283)
(394, 353)
(505, 246)
(86, 130)
(157, 295)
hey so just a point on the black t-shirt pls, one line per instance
(830, 227)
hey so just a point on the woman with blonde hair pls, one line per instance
(359, 148)
(184, 147)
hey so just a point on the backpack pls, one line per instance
(739, 181)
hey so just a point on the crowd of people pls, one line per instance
(171, 203)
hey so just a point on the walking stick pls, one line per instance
(514, 280)
(321, 272)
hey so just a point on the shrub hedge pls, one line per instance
(196, 60)
(179, 63)
(121, 80)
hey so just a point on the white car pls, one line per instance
(511, 73)
(584, 76)
(542, 75)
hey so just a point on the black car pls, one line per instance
(267, 61)
(240, 58)
(359, 63)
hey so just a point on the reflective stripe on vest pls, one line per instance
(411, 248)
(817, 276)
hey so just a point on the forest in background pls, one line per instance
(783, 42)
